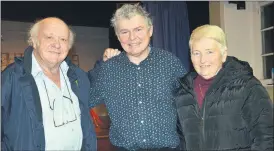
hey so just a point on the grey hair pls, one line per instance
(33, 32)
(127, 11)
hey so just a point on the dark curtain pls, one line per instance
(171, 27)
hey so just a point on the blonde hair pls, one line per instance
(209, 31)
(127, 11)
(33, 32)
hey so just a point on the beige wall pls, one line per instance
(90, 44)
(216, 12)
(270, 91)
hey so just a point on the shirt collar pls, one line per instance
(64, 66)
(36, 69)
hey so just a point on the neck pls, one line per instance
(54, 71)
(137, 59)
(211, 77)
(205, 78)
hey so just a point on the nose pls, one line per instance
(203, 58)
(132, 35)
(56, 44)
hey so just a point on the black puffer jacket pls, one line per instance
(237, 113)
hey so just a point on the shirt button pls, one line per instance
(138, 68)
(142, 121)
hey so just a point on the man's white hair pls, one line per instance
(33, 32)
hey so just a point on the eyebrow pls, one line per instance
(129, 29)
(51, 34)
(139, 27)
(123, 30)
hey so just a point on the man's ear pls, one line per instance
(224, 56)
(34, 43)
(150, 30)
(118, 37)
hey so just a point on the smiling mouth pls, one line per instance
(133, 45)
(55, 52)
(204, 66)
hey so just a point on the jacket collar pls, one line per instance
(232, 68)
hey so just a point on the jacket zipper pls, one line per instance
(202, 117)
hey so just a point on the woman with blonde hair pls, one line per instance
(221, 105)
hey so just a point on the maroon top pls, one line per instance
(201, 85)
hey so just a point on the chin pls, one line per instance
(207, 77)
(133, 51)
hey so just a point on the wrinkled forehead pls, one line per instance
(132, 22)
(54, 27)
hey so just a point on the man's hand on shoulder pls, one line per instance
(109, 53)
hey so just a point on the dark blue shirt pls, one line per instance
(139, 99)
